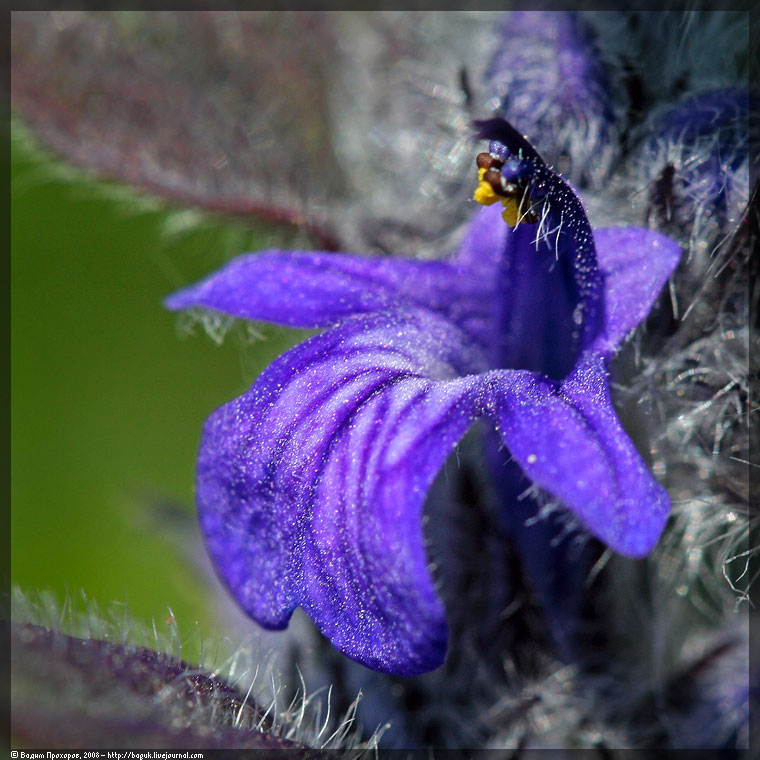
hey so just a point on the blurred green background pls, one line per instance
(109, 395)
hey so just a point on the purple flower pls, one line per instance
(697, 162)
(311, 485)
(554, 52)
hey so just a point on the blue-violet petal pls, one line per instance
(318, 289)
(636, 264)
(311, 485)
(568, 440)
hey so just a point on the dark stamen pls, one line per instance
(495, 180)
(488, 161)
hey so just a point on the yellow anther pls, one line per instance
(484, 193)
(511, 211)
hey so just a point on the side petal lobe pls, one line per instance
(636, 263)
(318, 289)
(567, 439)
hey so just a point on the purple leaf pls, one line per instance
(189, 106)
(71, 692)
